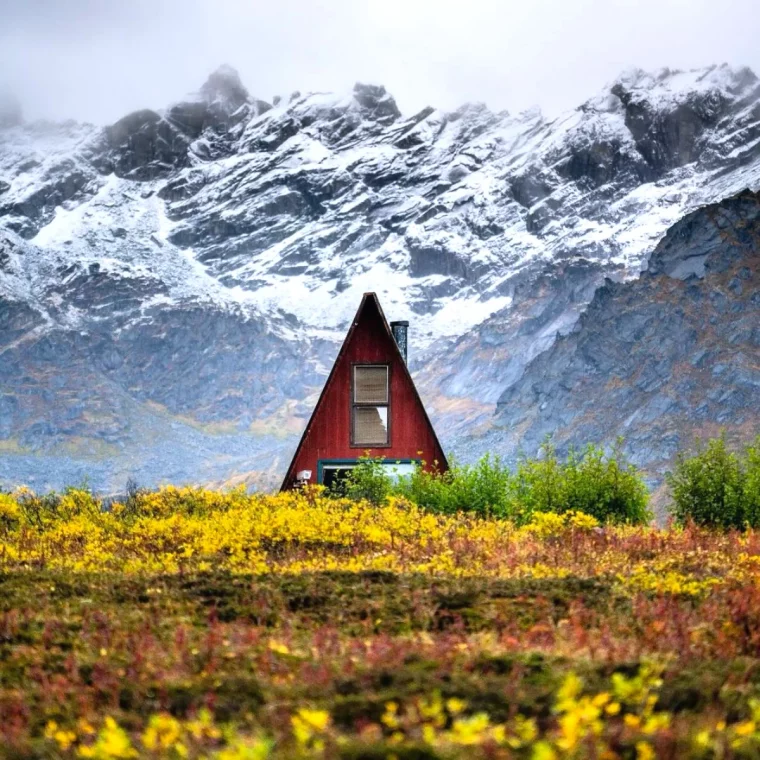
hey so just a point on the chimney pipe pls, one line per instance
(399, 330)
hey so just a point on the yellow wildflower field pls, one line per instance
(186, 623)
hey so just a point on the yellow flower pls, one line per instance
(570, 689)
(525, 729)
(581, 521)
(308, 724)
(10, 512)
(278, 647)
(245, 749)
(747, 728)
(390, 716)
(112, 743)
(656, 722)
(546, 524)
(600, 700)
(203, 726)
(50, 729)
(64, 739)
(543, 751)
(163, 732)
(455, 706)
(470, 731)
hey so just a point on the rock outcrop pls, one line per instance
(659, 361)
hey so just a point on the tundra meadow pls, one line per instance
(186, 623)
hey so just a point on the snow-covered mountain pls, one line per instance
(174, 287)
(658, 360)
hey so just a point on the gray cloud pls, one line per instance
(98, 59)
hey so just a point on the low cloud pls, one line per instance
(95, 60)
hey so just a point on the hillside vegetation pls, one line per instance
(712, 485)
(190, 623)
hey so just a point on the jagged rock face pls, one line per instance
(143, 146)
(146, 145)
(660, 360)
(197, 267)
(224, 90)
(42, 167)
(143, 394)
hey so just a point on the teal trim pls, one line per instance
(321, 463)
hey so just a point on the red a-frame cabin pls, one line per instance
(369, 404)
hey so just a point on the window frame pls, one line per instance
(354, 404)
(325, 464)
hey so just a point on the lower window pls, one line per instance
(331, 473)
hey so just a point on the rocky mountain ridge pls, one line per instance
(660, 360)
(174, 287)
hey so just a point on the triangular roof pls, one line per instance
(367, 300)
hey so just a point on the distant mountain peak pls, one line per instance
(225, 85)
(667, 83)
(665, 90)
(375, 98)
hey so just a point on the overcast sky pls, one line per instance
(98, 59)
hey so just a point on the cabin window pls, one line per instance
(332, 472)
(370, 405)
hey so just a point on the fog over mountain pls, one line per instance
(96, 61)
(174, 286)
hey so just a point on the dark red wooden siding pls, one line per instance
(328, 435)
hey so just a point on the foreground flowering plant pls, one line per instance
(189, 623)
(621, 722)
(192, 530)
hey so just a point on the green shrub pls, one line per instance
(716, 486)
(483, 488)
(605, 486)
(602, 485)
(539, 485)
(752, 482)
(40, 511)
(367, 481)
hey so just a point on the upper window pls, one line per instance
(370, 405)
